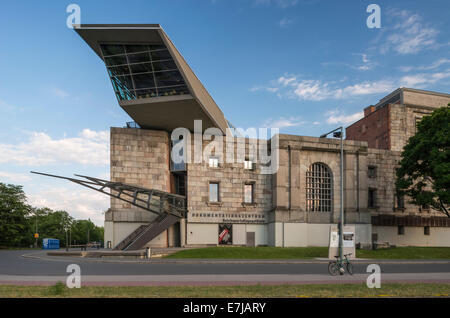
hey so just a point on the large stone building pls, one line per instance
(237, 201)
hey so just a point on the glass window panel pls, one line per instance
(119, 70)
(141, 68)
(164, 65)
(248, 164)
(112, 49)
(146, 93)
(318, 188)
(136, 48)
(160, 55)
(248, 193)
(170, 78)
(213, 162)
(116, 60)
(139, 57)
(153, 47)
(173, 90)
(124, 81)
(122, 91)
(213, 192)
(144, 80)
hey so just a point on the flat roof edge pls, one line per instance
(117, 26)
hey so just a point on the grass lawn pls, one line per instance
(332, 290)
(235, 252)
(406, 253)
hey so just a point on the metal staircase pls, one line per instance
(169, 207)
(130, 238)
(146, 233)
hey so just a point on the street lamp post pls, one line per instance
(36, 240)
(339, 133)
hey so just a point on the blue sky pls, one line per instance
(303, 66)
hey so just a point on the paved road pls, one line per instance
(14, 268)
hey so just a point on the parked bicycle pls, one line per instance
(338, 266)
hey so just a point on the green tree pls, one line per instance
(424, 172)
(53, 224)
(81, 229)
(14, 225)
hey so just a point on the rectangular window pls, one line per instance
(248, 193)
(213, 192)
(248, 164)
(372, 172)
(372, 198)
(400, 201)
(426, 230)
(418, 119)
(401, 230)
(213, 162)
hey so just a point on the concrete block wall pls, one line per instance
(413, 236)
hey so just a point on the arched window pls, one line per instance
(319, 188)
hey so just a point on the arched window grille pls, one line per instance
(319, 188)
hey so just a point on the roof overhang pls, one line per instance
(164, 113)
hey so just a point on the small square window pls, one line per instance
(213, 162)
(372, 172)
(401, 230)
(248, 164)
(213, 192)
(426, 230)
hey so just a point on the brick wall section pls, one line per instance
(373, 128)
(138, 157)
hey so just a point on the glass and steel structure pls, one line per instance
(319, 188)
(142, 71)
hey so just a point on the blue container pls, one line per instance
(50, 244)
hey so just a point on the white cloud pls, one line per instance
(13, 177)
(335, 117)
(317, 90)
(366, 65)
(312, 90)
(424, 79)
(89, 148)
(283, 122)
(366, 88)
(4, 106)
(409, 35)
(79, 203)
(432, 66)
(285, 22)
(59, 92)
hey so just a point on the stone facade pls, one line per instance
(279, 214)
(138, 157)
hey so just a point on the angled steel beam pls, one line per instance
(168, 203)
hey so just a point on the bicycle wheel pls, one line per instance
(333, 269)
(350, 268)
